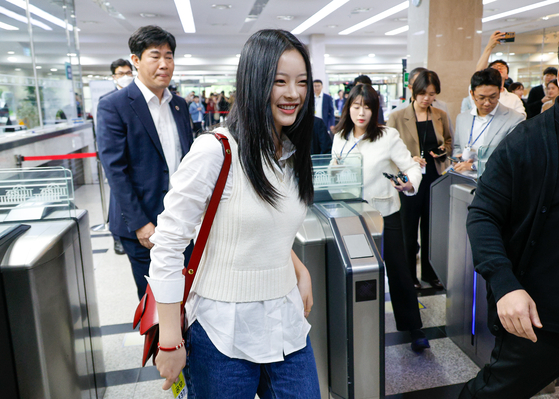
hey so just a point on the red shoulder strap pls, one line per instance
(190, 271)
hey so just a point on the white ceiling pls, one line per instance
(220, 34)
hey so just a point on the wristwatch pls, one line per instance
(474, 167)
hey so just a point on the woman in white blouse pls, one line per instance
(246, 310)
(383, 151)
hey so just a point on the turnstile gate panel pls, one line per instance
(466, 311)
(355, 276)
(338, 243)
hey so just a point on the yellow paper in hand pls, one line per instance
(179, 388)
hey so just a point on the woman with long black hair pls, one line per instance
(248, 333)
(383, 151)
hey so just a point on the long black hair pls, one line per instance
(251, 122)
(370, 99)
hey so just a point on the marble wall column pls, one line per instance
(445, 36)
(317, 49)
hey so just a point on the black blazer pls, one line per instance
(534, 103)
(132, 157)
(511, 206)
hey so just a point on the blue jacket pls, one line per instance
(328, 110)
(132, 157)
(194, 113)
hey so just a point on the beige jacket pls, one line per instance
(404, 121)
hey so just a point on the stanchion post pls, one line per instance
(19, 160)
(103, 226)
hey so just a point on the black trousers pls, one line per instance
(140, 260)
(414, 209)
(197, 128)
(400, 283)
(518, 369)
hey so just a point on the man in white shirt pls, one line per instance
(323, 105)
(509, 100)
(143, 133)
(486, 124)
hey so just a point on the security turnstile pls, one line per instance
(48, 311)
(466, 310)
(338, 243)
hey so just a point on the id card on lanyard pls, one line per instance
(340, 158)
(469, 153)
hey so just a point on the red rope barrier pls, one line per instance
(57, 157)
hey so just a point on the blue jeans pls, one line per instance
(212, 375)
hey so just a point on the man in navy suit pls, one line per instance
(143, 133)
(323, 105)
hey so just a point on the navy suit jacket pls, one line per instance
(321, 142)
(133, 159)
(328, 110)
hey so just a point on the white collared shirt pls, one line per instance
(260, 332)
(318, 105)
(164, 124)
(512, 101)
(480, 123)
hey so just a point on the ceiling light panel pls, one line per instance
(7, 27)
(519, 10)
(385, 14)
(21, 18)
(253, 15)
(41, 14)
(398, 31)
(320, 15)
(185, 14)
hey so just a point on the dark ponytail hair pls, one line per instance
(251, 122)
(370, 99)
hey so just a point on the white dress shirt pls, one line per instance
(164, 124)
(260, 332)
(512, 101)
(478, 134)
(318, 106)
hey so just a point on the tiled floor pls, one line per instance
(438, 373)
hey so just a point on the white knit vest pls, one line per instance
(248, 253)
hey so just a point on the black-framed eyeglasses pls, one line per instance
(483, 100)
(121, 74)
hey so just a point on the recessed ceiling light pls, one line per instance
(38, 67)
(520, 10)
(11, 52)
(545, 18)
(332, 26)
(221, 6)
(71, 54)
(439, 35)
(89, 76)
(12, 59)
(326, 55)
(512, 53)
(460, 28)
(148, 15)
(53, 69)
(479, 32)
(499, 54)
(238, 55)
(184, 8)
(408, 56)
(511, 19)
(360, 10)
(385, 14)
(188, 55)
(7, 27)
(17, 69)
(285, 17)
(398, 31)
(72, 16)
(372, 55)
(319, 16)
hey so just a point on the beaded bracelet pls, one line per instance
(172, 348)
